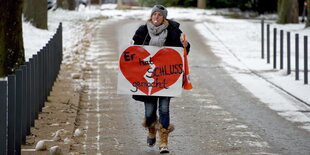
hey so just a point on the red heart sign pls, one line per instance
(151, 74)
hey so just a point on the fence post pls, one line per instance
(60, 47)
(288, 53)
(268, 43)
(48, 71)
(28, 104)
(35, 78)
(274, 48)
(296, 57)
(40, 64)
(32, 105)
(19, 103)
(262, 38)
(24, 105)
(44, 73)
(54, 62)
(11, 114)
(281, 49)
(305, 59)
(3, 117)
(53, 52)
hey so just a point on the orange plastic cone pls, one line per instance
(187, 85)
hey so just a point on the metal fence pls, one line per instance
(23, 95)
(289, 53)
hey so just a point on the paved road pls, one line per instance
(218, 116)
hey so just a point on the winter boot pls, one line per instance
(151, 136)
(163, 133)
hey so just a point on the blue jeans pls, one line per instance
(163, 110)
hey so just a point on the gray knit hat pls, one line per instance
(161, 9)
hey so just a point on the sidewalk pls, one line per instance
(57, 120)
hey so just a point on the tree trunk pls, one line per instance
(97, 1)
(66, 4)
(59, 3)
(119, 3)
(288, 11)
(279, 6)
(71, 4)
(308, 14)
(201, 4)
(35, 11)
(11, 37)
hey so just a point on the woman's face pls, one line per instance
(157, 18)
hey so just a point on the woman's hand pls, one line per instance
(184, 41)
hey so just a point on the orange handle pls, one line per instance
(187, 84)
(184, 38)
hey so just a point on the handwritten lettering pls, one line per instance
(156, 83)
(141, 62)
(166, 70)
(128, 57)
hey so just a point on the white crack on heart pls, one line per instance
(149, 73)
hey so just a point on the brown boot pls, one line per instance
(151, 136)
(164, 133)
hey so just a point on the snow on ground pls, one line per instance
(239, 46)
(236, 41)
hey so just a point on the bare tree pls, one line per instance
(11, 36)
(35, 11)
(201, 4)
(288, 11)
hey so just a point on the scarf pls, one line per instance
(158, 34)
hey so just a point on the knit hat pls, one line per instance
(161, 9)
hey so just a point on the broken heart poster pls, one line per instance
(150, 70)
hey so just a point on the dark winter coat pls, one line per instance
(142, 37)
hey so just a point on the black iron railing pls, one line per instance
(23, 94)
(288, 51)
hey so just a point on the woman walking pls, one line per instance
(158, 31)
